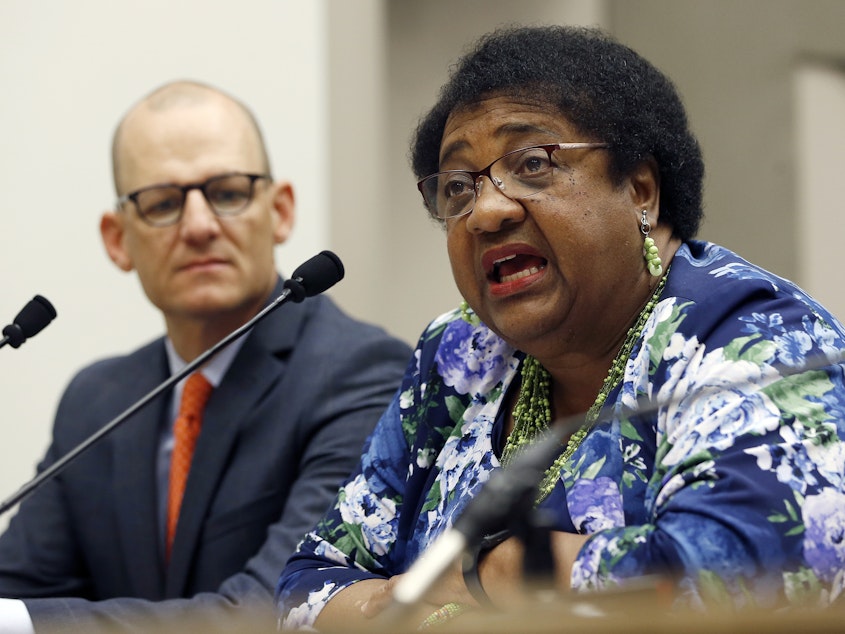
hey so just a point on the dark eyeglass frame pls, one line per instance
(184, 189)
(475, 175)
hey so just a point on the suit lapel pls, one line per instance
(135, 446)
(256, 367)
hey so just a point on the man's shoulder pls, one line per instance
(122, 367)
(331, 322)
(101, 390)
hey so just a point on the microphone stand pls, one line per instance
(293, 289)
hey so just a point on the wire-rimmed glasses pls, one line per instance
(517, 174)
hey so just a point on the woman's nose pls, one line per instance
(492, 209)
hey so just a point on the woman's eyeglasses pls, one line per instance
(517, 174)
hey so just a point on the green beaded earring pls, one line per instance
(650, 252)
(468, 315)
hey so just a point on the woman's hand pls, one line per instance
(565, 549)
(501, 576)
(500, 570)
(450, 588)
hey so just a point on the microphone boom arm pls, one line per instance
(311, 278)
(63, 462)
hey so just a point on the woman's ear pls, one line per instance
(645, 187)
(113, 234)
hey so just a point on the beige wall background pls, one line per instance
(737, 65)
(338, 87)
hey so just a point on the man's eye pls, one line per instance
(228, 196)
(162, 206)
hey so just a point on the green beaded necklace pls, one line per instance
(533, 413)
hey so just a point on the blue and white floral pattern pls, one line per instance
(736, 481)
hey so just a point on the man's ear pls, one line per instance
(113, 234)
(284, 209)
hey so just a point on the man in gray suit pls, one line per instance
(198, 218)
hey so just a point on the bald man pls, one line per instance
(197, 219)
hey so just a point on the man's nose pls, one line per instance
(197, 215)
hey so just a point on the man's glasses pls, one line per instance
(517, 174)
(162, 205)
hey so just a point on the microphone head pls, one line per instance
(31, 320)
(33, 317)
(315, 275)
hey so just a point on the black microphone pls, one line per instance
(31, 320)
(312, 277)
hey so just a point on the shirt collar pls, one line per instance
(213, 370)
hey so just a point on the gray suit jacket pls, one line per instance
(281, 431)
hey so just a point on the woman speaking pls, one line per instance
(562, 168)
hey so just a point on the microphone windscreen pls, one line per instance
(319, 273)
(33, 317)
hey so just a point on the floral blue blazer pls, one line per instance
(736, 482)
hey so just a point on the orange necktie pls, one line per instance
(185, 433)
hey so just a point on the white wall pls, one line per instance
(68, 72)
(820, 149)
